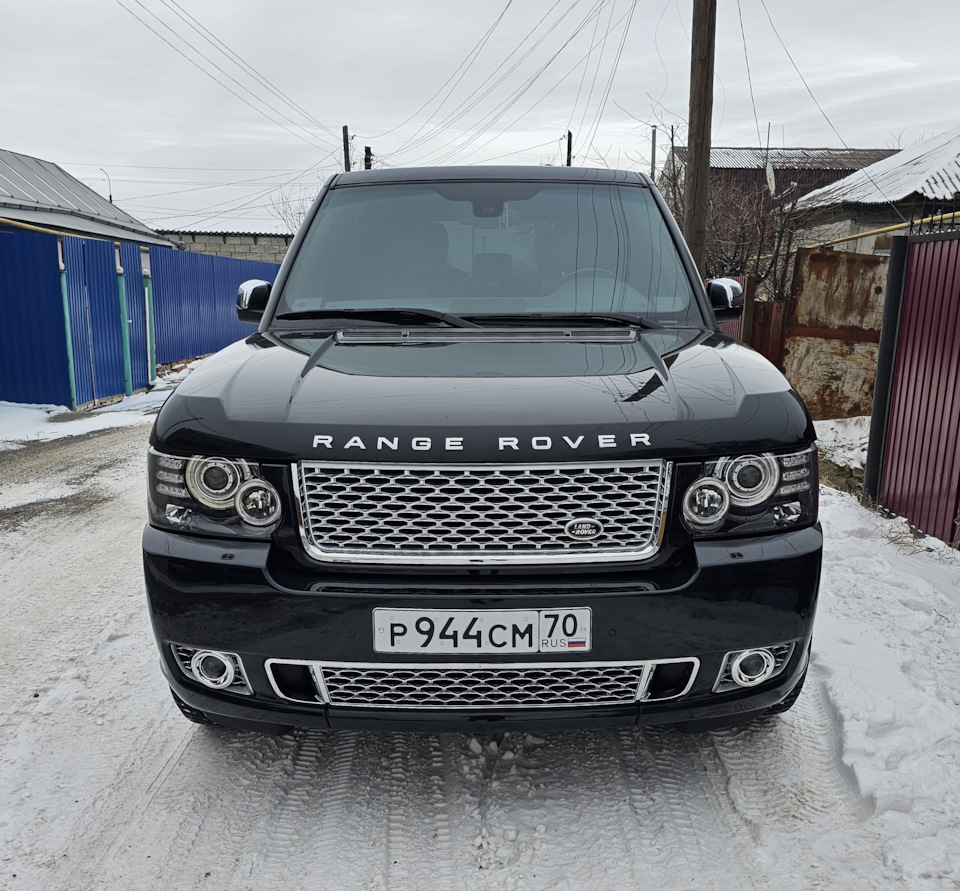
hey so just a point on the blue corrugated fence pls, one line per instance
(66, 338)
(136, 315)
(195, 301)
(33, 339)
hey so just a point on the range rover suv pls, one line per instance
(486, 464)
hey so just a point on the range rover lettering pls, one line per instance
(486, 464)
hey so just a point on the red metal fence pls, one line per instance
(919, 477)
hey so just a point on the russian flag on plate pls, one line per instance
(579, 642)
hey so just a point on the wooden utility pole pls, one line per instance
(697, 175)
(346, 148)
(569, 148)
(367, 157)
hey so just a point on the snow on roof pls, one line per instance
(43, 194)
(931, 168)
(748, 157)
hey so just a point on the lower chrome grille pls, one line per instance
(483, 685)
(482, 514)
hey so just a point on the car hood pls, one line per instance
(665, 393)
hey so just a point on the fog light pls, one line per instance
(258, 503)
(752, 667)
(212, 669)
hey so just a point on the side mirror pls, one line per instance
(726, 298)
(252, 300)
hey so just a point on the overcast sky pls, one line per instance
(87, 85)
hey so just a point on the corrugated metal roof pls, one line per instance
(43, 194)
(745, 158)
(220, 232)
(931, 168)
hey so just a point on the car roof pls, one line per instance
(495, 174)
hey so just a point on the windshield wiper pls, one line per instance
(620, 318)
(389, 314)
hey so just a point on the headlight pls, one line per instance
(211, 496)
(750, 479)
(744, 494)
(214, 481)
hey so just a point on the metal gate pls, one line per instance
(33, 339)
(94, 304)
(914, 463)
(137, 325)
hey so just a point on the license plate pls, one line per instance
(466, 632)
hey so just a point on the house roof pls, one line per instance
(745, 158)
(931, 168)
(43, 194)
(225, 234)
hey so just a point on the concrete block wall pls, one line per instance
(269, 248)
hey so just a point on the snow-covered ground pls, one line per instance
(104, 786)
(22, 424)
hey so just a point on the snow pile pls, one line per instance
(887, 656)
(20, 423)
(844, 441)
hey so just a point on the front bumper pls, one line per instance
(737, 594)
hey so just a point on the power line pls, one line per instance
(596, 72)
(583, 77)
(212, 76)
(242, 182)
(556, 84)
(99, 164)
(260, 195)
(470, 58)
(467, 105)
(225, 73)
(749, 78)
(497, 113)
(238, 60)
(613, 73)
(825, 117)
(517, 152)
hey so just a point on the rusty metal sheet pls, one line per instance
(832, 330)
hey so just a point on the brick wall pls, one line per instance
(242, 245)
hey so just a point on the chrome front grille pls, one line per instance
(484, 685)
(482, 514)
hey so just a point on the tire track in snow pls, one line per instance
(550, 812)
(182, 833)
(418, 822)
(705, 835)
(303, 820)
(786, 781)
(659, 848)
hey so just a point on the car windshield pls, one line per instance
(504, 249)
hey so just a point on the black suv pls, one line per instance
(487, 463)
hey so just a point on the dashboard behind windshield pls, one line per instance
(491, 248)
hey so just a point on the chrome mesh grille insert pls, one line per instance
(481, 513)
(482, 685)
